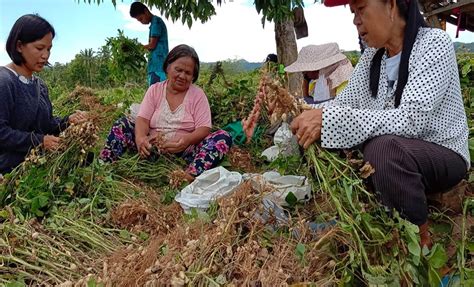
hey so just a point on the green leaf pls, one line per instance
(4, 214)
(15, 284)
(437, 257)
(470, 246)
(433, 277)
(221, 280)
(93, 283)
(164, 249)
(125, 234)
(415, 250)
(37, 203)
(300, 251)
(466, 69)
(442, 228)
(226, 163)
(471, 148)
(143, 236)
(291, 199)
(348, 193)
(413, 273)
(84, 201)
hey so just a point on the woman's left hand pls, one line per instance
(307, 127)
(78, 117)
(175, 146)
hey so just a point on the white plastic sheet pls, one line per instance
(207, 187)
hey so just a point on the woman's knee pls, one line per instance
(382, 150)
(387, 156)
(220, 135)
(125, 122)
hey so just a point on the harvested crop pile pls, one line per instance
(139, 216)
(177, 178)
(235, 248)
(241, 159)
(49, 175)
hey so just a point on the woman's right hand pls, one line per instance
(78, 117)
(307, 127)
(143, 146)
(50, 143)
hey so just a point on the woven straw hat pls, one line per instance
(316, 57)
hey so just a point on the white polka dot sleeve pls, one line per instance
(431, 106)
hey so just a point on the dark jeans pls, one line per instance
(408, 169)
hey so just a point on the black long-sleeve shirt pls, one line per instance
(25, 117)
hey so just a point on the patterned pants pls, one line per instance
(203, 156)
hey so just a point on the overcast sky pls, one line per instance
(235, 32)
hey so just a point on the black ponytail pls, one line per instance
(414, 20)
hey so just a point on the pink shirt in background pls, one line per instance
(193, 113)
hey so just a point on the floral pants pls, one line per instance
(203, 156)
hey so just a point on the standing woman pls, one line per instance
(26, 118)
(403, 103)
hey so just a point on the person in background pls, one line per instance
(325, 71)
(271, 58)
(179, 111)
(157, 43)
(26, 118)
(403, 104)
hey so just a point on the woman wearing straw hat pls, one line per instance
(325, 71)
(403, 103)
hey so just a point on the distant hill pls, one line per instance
(234, 66)
(247, 66)
(241, 65)
(464, 47)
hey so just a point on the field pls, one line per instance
(67, 219)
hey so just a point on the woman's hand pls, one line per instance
(50, 143)
(307, 127)
(175, 146)
(78, 117)
(143, 146)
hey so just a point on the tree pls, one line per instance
(277, 11)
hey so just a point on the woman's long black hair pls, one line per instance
(414, 20)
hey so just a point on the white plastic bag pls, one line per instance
(285, 143)
(207, 187)
(281, 185)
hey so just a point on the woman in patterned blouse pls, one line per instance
(177, 112)
(403, 104)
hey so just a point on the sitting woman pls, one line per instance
(179, 111)
(325, 70)
(26, 118)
